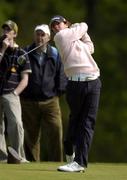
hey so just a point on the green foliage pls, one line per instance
(6, 10)
(32, 13)
(111, 53)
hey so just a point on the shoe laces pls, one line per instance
(73, 164)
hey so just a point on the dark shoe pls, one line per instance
(13, 157)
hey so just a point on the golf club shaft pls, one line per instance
(32, 50)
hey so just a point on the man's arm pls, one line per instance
(87, 41)
(23, 83)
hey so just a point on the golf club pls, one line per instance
(21, 59)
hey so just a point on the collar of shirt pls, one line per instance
(40, 57)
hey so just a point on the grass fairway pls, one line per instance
(47, 171)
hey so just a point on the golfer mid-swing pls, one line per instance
(83, 89)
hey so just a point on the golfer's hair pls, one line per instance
(68, 23)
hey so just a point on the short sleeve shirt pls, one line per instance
(13, 64)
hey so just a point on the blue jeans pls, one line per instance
(83, 100)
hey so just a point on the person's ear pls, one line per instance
(67, 23)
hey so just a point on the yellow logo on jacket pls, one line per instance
(13, 69)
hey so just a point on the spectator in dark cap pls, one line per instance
(13, 80)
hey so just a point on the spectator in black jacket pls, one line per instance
(40, 100)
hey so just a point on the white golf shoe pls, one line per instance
(71, 167)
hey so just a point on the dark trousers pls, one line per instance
(83, 100)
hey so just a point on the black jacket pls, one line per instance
(48, 79)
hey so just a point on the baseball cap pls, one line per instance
(11, 24)
(44, 28)
(57, 18)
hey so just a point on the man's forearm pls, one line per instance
(22, 85)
